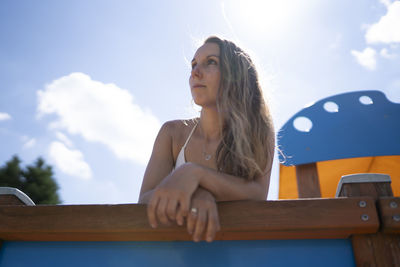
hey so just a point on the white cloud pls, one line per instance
(4, 116)
(30, 143)
(63, 138)
(386, 2)
(69, 161)
(386, 30)
(101, 113)
(366, 58)
(385, 53)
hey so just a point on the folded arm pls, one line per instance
(227, 187)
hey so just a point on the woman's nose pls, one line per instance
(196, 71)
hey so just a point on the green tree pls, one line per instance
(35, 180)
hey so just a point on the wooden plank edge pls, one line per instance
(257, 226)
(307, 180)
(184, 236)
(389, 212)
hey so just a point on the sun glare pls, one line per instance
(264, 15)
(271, 18)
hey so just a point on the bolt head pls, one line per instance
(364, 217)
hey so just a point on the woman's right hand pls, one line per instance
(203, 219)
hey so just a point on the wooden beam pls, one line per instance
(307, 181)
(389, 210)
(375, 190)
(10, 200)
(7, 198)
(240, 220)
(379, 249)
(376, 249)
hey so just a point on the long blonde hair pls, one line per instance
(247, 128)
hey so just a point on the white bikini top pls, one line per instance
(180, 160)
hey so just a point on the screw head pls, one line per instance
(362, 204)
(396, 218)
(393, 204)
(364, 217)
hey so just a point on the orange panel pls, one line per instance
(287, 182)
(331, 171)
(389, 165)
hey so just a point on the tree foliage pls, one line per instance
(35, 180)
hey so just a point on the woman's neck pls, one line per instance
(210, 124)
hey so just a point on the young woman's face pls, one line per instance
(206, 75)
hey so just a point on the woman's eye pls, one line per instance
(193, 65)
(212, 61)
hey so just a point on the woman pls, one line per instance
(224, 155)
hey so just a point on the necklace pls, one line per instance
(207, 156)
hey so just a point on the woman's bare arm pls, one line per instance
(227, 187)
(161, 162)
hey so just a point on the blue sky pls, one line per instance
(87, 84)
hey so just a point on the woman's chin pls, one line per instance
(199, 101)
(204, 101)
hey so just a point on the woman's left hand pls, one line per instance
(203, 220)
(171, 198)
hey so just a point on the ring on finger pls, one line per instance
(194, 211)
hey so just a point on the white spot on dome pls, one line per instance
(331, 107)
(366, 100)
(302, 124)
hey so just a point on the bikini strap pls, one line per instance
(190, 135)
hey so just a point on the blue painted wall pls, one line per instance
(324, 252)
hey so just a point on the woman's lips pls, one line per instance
(198, 86)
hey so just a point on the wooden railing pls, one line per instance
(371, 221)
(242, 220)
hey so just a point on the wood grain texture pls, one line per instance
(307, 181)
(363, 250)
(374, 190)
(389, 210)
(379, 249)
(240, 220)
(386, 249)
(10, 200)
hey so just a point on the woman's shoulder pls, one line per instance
(179, 129)
(179, 126)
